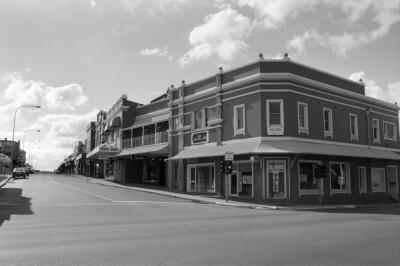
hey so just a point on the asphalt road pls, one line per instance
(59, 220)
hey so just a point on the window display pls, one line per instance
(276, 173)
(340, 177)
(307, 178)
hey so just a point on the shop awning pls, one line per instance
(305, 147)
(161, 149)
(243, 147)
(102, 152)
(259, 146)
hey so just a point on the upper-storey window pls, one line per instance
(389, 131)
(275, 117)
(199, 118)
(302, 110)
(238, 119)
(353, 127)
(328, 123)
(375, 131)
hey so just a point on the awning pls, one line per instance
(259, 146)
(161, 149)
(304, 147)
(102, 152)
(243, 147)
(116, 122)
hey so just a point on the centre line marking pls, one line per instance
(83, 191)
(117, 201)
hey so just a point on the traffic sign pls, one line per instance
(228, 156)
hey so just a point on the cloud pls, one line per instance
(155, 51)
(389, 94)
(20, 91)
(93, 3)
(222, 34)
(71, 126)
(273, 14)
(152, 6)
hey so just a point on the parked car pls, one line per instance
(19, 172)
(28, 170)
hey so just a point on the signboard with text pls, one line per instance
(200, 137)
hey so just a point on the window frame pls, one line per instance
(355, 135)
(328, 133)
(385, 136)
(301, 129)
(364, 181)
(281, 126)
(347, 190)
(376, 140)
(236, 130)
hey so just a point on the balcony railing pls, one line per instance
(157, 138)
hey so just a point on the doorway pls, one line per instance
(392, 179)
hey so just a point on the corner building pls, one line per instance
(288, 125)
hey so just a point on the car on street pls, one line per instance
(19, 172)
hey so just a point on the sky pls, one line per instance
(77, 57)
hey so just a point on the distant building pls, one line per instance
(6, 148)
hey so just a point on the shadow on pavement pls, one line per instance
(12, 202)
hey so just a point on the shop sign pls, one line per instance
(200, 137)
(275, 130)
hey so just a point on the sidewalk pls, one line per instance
(221, 201)
(4, 179)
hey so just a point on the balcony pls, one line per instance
(151, 139)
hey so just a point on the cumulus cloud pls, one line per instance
(155, 51)
(390, 94)
(71, 126)
(222, 34)
(273, 14)
(20, 91)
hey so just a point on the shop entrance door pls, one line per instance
(393, 186)
(233, 184)
(191, 179)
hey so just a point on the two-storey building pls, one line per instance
(108, 136)
(298, 134)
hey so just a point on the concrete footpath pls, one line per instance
(4, 179)
(220, 201)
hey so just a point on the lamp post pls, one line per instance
(34, 130)
(15, 115)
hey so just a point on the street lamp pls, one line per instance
(15, 115)
(33, 130)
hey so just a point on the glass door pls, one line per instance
(392, 178)
(191, 179)
(234, 184)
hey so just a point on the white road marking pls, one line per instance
(117, 201)
(83, 191)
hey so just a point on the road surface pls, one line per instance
(64, 220)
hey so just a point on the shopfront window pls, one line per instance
(201, 178)
(276, 174)
(244, 174)
(340, 177)
(378, 179)
(309, 183)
